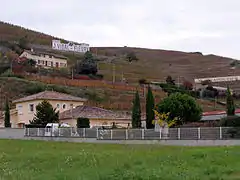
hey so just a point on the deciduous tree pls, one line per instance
(181, 106)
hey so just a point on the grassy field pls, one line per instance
(50, 160)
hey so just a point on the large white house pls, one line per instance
(81, 48)
(45, 59)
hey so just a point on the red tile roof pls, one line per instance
(50, 95)
(94, 113)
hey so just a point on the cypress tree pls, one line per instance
(230, 103)
(136, 112)
(7, 122)
(149, 109)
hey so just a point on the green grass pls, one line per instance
(51, 160)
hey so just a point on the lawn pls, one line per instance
(27, 160)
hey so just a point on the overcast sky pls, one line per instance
(208, 26)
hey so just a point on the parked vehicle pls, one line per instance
(53, 128)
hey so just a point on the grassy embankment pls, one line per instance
(54, 160)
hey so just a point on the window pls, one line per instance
(39, 62)
(58, 106)
(19, 109)
(31, 107)
(64, 106)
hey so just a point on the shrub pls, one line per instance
(230, 121)
(83, 122)
(35, 89)
(34, 126)
(58, 89)
(142, 81)
(234, 123)
(9, 73)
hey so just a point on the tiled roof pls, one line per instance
(38, 53)
(50, 95)
(93, 113)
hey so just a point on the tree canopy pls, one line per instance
(230, 103)
(7, 122)
(88, 65)
(170, 80)
(180, 106)
(136, 112)
(45, 113)
(149, 109)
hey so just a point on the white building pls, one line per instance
(81, 48)
(45, 59)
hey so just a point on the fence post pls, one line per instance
(160, 133)
(97, 133)
(59, 131)
(25, 132)
(71, 132)
(179, 133)
(220, 132)
(143, 133)
(84, 132)
(28, 132)
(111, 134)
(199, 133)
(38, 132)
(126, 133)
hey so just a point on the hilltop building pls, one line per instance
(45, 59)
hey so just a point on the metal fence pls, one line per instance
(205, 133)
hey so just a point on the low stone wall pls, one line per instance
(156, 142)
(16, 133)
(11, 133)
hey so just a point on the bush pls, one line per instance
(142, 81)
(35, 89)
(58, 89)
(34, 126)
(234, 123)
(83, 123)
(8, 73)
(230, 121)
(82, 77)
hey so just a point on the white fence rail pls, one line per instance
(210, 133)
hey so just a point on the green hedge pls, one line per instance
(83, 123)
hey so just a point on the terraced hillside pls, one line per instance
(158, 64)
(108, 98)
(152, 64)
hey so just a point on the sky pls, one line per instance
(208, 26)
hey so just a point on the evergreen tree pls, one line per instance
(136, 112)
(149, 109)
(230, 103)
(7, 122)
(45, 113)
(88, 65)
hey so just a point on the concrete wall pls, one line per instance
(11, 133)
(14, 133)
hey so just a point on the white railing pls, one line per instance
(204, 133)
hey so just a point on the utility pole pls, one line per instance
(114, 72)
(178, 81)
(72, 73)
